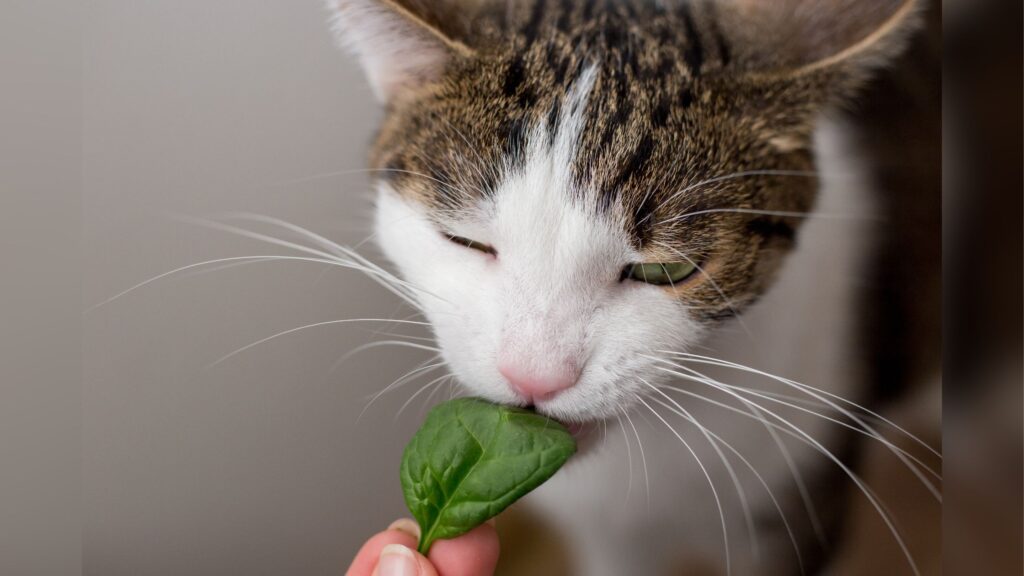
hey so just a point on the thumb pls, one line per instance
(398, 560)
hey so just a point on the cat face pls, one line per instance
(573, 189)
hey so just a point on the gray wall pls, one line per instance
(40, 288)
(257, 465)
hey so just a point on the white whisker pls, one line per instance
(408, 377)
(388, 281)
(910, 461)
(643, 459)
(314, 325)
(629, 457)
(807, 389)
(714, 491)
(750, 466)
(740, 492)
(794, 470)
(436, 383)
(779, 213)
(874, 436)
(234, 259)
(333, 247)
(378, 344)
(864, 488)
(734, 176)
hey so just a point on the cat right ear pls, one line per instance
(401, 44)
(794, 38)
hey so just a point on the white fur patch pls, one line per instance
(553, 293)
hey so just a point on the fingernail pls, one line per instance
(406, 525)
(397, 560)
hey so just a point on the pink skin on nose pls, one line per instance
(536, 386)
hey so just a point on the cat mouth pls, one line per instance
(577, 429)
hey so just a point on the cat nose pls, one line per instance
(539, 385)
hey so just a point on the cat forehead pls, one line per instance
(541, 203)
(627, 148)
(651, 121)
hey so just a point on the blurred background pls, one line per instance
(260, 464)
(127, 448)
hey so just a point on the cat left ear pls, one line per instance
(401, 44)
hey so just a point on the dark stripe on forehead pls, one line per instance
(661, 112)
(554, 119)
(588, 9)
(643, 221)
(536, 17)
(722, 44)
(514, 77)
(515, 140)
(565, 14)
(633, 165)
(694, 53)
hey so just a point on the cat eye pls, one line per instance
(661, 273)
(472, 244)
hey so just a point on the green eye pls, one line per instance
(666, 273)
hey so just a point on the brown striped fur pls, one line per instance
(685, 92)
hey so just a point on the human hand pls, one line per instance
(393, 553)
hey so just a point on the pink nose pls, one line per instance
(534, 385)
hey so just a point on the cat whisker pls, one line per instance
(435, 383)
(388, 281)
(430, 397)
(378, 344)
(197, 265)
(452, 390)
(604, 433)
(873, 499)
(629, 456)
(779, 213)
(711, 484)
(734, 176)
(764, 484)
(821, 395)
(307, 326)
(410, 376)
(643, 458)
(794, 470)
(334, 248)
(773, 429)
(899, 451)
(408, 337)
(869, 432)
(806, 389)
(740, 492)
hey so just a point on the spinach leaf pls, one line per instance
(471, 459)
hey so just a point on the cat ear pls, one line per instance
(401, 44)
(801, 37)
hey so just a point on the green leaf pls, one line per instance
(471, 459)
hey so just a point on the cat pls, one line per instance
(610, 209)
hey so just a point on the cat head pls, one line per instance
(573, 186)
